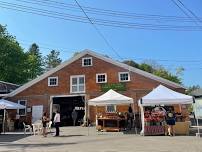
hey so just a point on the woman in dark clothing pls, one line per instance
(44, 123)
(170, 120)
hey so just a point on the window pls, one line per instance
(77, 84)
(111, 108)
(52, 81)
(22, 112)
(101, 78)
(87, 61)
(124, 76)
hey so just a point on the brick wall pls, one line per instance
(39, 93)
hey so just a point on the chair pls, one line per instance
(49, 126)
(27, 128)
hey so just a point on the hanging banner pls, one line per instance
(198, 108)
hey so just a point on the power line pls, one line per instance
(185, 12)
(81, 19)
(99, 32)
(190, 11)
(64, 6)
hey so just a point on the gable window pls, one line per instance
(52, 81)
(110, 108)
(77, 84)
(124, 76)
(22, 112)
(101, 78)
(88, 61)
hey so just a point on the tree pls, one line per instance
(192, 88)
(52, 60)
(156, 69)
(12, 59)
(34, 61)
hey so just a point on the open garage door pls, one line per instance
(66, 105)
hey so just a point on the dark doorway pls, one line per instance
(66, 105)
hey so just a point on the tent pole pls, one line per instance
(4, 118)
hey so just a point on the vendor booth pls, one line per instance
(153, 111)
(110, 121)
(4, 105)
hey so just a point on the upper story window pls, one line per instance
(52, 81)
(124, 76)
(101, 78)
(22, 112)
(77, 84)
(87, 61)
(111, 108)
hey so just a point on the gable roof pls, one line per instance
(99, 56)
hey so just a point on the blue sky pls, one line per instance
(171, 49)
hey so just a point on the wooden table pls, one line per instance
(110, 124)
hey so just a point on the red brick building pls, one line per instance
(84, 76)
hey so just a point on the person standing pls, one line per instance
(57, 123)
(44, 123)
(170, 120)
(74, 117)
(130, 117)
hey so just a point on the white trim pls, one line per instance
(77, 76)
(106, 59)
(10, 83)
(124, 73)
(52, 78)
(105, 74)
(108, 111)
(24, 108)
(86, 58)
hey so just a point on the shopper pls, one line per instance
(74, 117)
(170, 120)
(44, 123)
(130, 117)
(57, 123)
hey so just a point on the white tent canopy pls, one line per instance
(110, 98)
(164, 96)
(5, 104)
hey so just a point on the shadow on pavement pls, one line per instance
(38, 145)
(11, 137)
(71, 135)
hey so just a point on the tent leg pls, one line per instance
(4, 119)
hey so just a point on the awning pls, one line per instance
(165, 96)
(110, 98)
(5, 104)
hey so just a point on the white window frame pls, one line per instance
(18, 110)
(49, 78)
(124, 73)
(87, 59)
(111, 111)
(77, 76)
(105, 74)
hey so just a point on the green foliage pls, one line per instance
(52, 60)
(34, 62)
(192, 88)
(156, 69)
(12, 59)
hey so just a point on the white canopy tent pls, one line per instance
(162, 96)
(110, 98)
(5, 104)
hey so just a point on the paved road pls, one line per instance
(77, 139)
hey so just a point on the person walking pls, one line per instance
(57, 123)
(74, 117)
(170, 120)
(44, 123)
